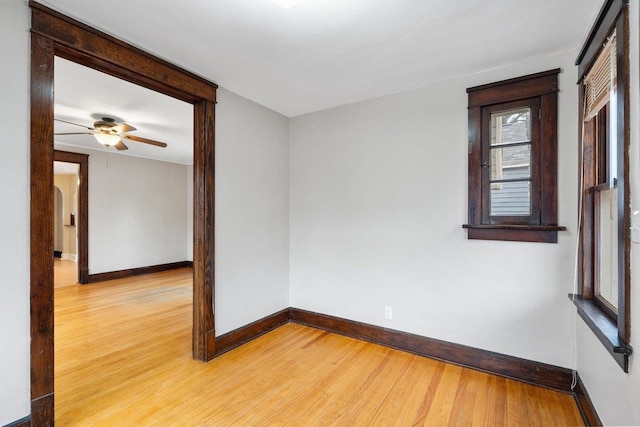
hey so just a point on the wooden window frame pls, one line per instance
(612, 329)
(538, 90)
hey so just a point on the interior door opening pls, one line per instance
(53, 34)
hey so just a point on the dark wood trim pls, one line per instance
(585, 405)
(130, 272)
(539, 92)
(522, 87)
(41, 234)
(613, 334)
(605, 329)
(82, 160)
(598, 35)
(512, 235)
(244, 334)
(548, 164)
(22, 422)
(74, 38)
(475, 158)
(524, 370)
(203, 231)
(514, 232)
(516, 227)
(587, 245)
(535, 144)
(624, 208)
(55, 34)
(42, 411)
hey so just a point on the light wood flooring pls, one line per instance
(123, 358)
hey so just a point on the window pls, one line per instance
(513, 159)
(604, 276)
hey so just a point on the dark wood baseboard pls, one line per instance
(585, 405)
(253, 330)
(42, 411)
(524, 370)
(22, 422)
(122, 274)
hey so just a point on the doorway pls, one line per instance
(75, 219)
(53, 34)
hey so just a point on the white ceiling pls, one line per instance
(83, 95)
(307, 56)
(324, 53)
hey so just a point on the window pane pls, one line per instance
(511, 162)
(511, 198)
(511, 126)
(608, 246)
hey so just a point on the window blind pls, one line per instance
(600, 82)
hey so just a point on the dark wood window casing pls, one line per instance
(610, 322)
(538, 221)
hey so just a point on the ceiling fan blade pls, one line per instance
(145, 140)
(120, 146)
(71, 123)
(74, 133)
(122, 128)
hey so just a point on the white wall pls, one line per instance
(14, 205)
(615, 394)
(378, 199)
(137, 211)
(252, 212)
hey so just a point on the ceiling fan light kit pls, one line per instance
(107, 139)
(110, 134)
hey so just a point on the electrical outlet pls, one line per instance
(388, 312)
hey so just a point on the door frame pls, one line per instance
(82, 223)
(54, 34)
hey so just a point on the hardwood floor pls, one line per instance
(66, 272)
(123, 357)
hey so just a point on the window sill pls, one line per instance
(605, 329)
(514, 232)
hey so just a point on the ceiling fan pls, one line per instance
(110, 134)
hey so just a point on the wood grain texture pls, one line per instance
(293, 375)
(522, 87)
(500, 364)
(130, 272)
(549, 164)
(204, 231)
(41, 223)
(529, 234)
(244, 334)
